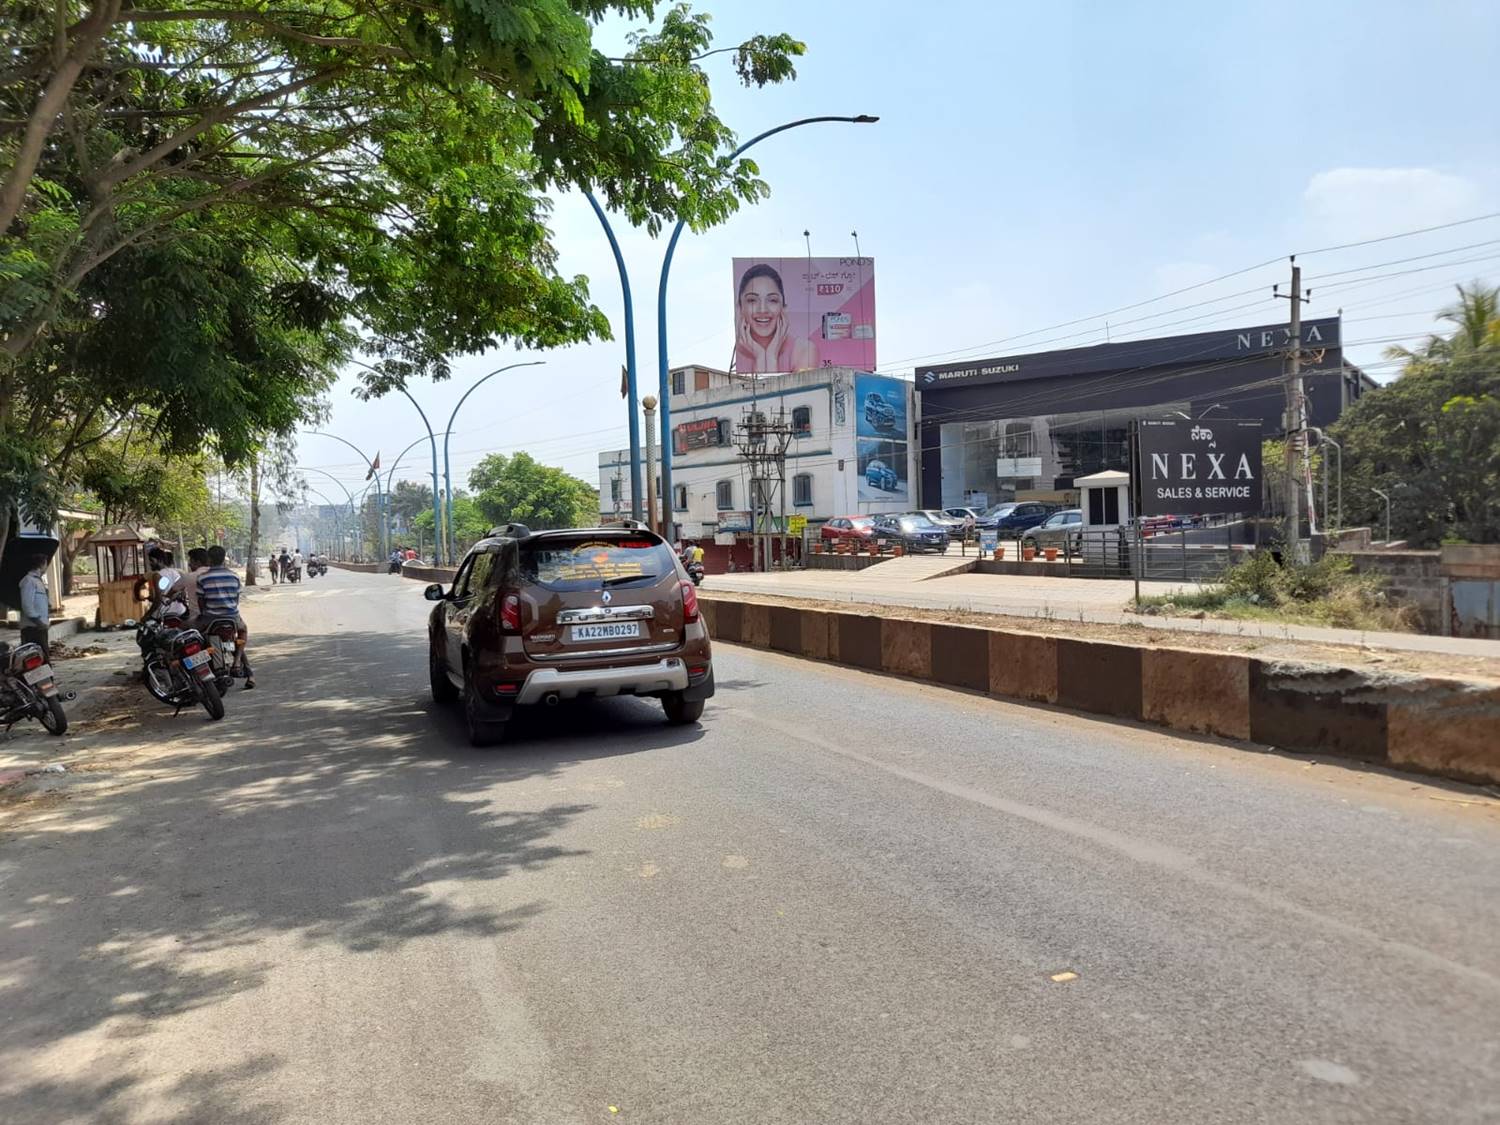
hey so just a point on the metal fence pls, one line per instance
(1196, 552)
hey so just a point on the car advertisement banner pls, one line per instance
(794, 314)
(1210, 466)
(881, 438)
(882, 471)
(880, 406)
(697, 434)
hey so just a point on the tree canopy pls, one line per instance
(519, 489)
(206, 208)
(1431, 438)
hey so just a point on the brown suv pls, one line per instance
(539, 617)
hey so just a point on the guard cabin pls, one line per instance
(1105, 500)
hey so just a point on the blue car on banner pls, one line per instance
(880, 475)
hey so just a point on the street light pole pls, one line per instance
(631, 404)
(391, 475)
(448, 432)
(663, 376)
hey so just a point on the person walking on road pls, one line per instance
(219, 596)
(36, 606)
(274, 566)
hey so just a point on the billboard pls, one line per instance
(1199, 468)
(793, 314)
(881, 438)
(698, 434)
(882, 472)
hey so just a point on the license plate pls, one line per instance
(610, 631)
(201, 657)
(37, 675)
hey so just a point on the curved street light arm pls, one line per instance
(448, 432)
(437, 514)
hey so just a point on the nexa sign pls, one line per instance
(1197, 468)
(1266, 339)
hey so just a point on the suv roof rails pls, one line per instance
(510, 531)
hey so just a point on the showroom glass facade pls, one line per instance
(994, 461)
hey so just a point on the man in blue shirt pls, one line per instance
(219, 596)
(36, 609)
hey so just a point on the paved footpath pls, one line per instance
(844, 899)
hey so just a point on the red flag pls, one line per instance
(374, 466)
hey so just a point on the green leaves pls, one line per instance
(518, 489)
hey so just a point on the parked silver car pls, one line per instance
(1061, 529)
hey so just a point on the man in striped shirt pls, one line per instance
(219, 596)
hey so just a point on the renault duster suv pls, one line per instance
(536, 618)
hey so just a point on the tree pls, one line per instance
(469, 523)
(410, 144)
(410, 499)
(1431, 438)
(519, 489)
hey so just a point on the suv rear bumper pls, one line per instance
(669, 674)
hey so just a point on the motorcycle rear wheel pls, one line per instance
(210, 698)
(53, 718)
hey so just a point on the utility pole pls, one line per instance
(648, 404)
(1296, 423)
(763, 440)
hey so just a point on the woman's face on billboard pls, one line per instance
(762, 305)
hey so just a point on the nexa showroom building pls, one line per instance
(1024, 426)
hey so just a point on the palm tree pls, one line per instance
(1477, 318)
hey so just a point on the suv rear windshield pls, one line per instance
(586, 562)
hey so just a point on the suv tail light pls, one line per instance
(510, 613)
(689, 603)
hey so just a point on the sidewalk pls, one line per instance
(1093, 600)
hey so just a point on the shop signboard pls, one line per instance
(1205, 467)
(795, 314)
(734, 521)
(796, 525)
(700, 433)
(1018, 467)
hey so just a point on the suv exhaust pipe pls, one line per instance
(551, 699)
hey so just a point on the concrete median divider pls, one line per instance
(1425, 724)
(443, 574)
(358, 568)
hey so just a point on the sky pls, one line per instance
(1034, 166)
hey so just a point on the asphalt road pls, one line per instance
(844, 899)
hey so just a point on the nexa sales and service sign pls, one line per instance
(1199, 468)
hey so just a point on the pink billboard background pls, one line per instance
(791, 314)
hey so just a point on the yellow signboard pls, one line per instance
(796, 525)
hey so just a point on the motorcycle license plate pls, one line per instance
(37, 675)
(606, 632)
(197, 658)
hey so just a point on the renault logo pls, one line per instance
(607, 597)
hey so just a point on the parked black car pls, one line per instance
(1008, 519)
(913, 531)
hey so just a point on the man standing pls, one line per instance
(36, 608)
(274, 566)
(219, 596)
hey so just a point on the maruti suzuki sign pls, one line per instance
(1207, 467)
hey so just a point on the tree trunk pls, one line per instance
(254, 521)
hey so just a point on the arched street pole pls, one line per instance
(664, 379)
(330, 476)
(390, 476)
(448, 432)
(437, 516)
(370, 464)
(338, 528)
(437, 513)
(630, 381)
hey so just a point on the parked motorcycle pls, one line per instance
(177, 663)
(27, 689)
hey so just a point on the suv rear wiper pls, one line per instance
(626, 578)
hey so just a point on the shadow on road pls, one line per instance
(319, 811)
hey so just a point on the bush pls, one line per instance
(1256, 580)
